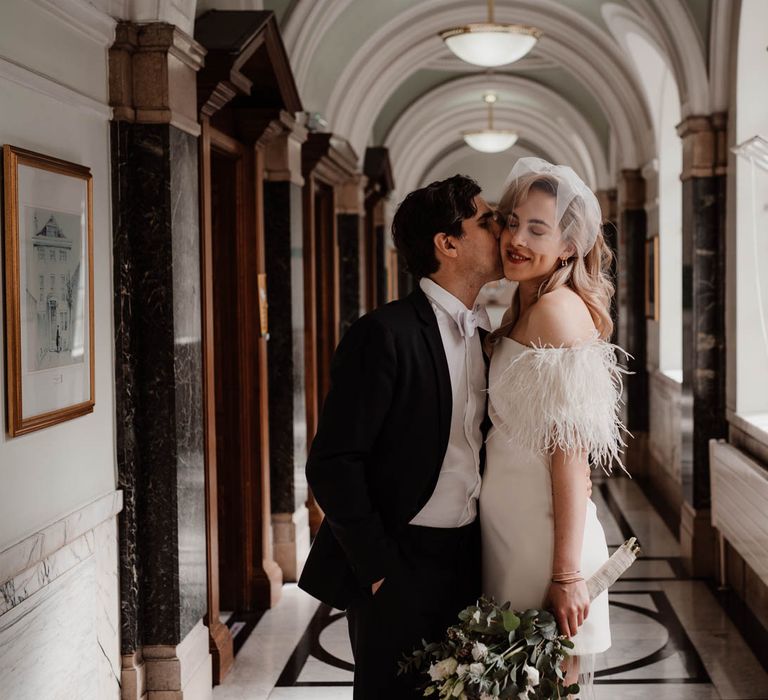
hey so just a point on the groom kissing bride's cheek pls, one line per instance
(435, 428)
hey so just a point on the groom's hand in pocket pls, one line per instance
(375, 586)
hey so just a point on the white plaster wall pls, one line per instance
(53, 99)
(59, 608)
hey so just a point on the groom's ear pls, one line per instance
(446, 245)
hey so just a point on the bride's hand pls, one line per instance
(570, 604)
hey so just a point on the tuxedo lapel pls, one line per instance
(431, 332)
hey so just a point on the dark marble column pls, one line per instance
(348, 234)
(159, 373)
(704, 188)
(608, 200)
(158, 357)
(381, 265)
(284, 250)
(631, 297)
(405, 280)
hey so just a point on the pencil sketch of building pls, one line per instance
(53, 270)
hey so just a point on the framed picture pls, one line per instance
(652, 278)
(48, 232)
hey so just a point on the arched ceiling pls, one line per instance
(380, 75)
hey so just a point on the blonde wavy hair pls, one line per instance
(587, 275)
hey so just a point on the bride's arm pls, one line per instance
(570, 600)
(560, 319)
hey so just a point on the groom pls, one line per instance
(397, 459)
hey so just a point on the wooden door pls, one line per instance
(247, 579)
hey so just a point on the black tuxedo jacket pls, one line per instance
(381, 439)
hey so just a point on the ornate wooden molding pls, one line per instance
(329, 158)
(152, 75)
(378, 169)
(246, 59)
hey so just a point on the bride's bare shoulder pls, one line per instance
(560, 318)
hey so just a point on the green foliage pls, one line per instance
(495, 652)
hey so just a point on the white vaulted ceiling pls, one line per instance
(379, 74)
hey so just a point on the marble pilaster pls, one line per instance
(608, 206)
(704, 192)
(349, 222)
(631, 294)
(284, 248)
(158, 351)
(349, 269)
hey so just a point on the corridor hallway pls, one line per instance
(197, 207)
(674, 638)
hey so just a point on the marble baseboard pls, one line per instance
(23, 555)
(182, 671)
(60, 608)
(290, 532)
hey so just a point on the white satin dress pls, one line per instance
(539, 399)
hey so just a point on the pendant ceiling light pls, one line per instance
(490, 140)
(490, 44)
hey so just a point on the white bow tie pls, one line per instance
(469, 321)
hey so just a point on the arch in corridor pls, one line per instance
(398, 48)
(540, 115)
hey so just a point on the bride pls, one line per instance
(554, 393)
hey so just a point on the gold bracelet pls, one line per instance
(569, 580)
(566, 574)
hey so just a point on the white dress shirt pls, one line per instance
(454, 500)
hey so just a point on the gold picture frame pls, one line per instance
(48, 231)
(652, 278)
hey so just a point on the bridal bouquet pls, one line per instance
(495, 652)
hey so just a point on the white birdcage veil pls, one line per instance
(570, 189)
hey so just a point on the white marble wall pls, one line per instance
(665, 441)
(59, 608)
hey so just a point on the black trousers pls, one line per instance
(438, 576)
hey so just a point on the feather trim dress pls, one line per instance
(542, 398)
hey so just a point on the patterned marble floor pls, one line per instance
(672, 638)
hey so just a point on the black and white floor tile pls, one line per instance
(673, 638)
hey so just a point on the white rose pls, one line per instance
(461, 670)
(479, 651)
(532, 675)
(443, 669)
(476, 669)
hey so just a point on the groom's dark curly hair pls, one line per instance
(437, 208)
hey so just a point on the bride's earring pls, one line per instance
(563, 262)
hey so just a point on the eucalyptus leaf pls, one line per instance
(511, 621)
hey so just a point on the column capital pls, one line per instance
(704, 145)
(607, 199)
(283, 151)
(153, 75)
(631, 190)
(350, 195)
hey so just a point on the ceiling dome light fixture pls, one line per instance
(490, 140)
(490, 44)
